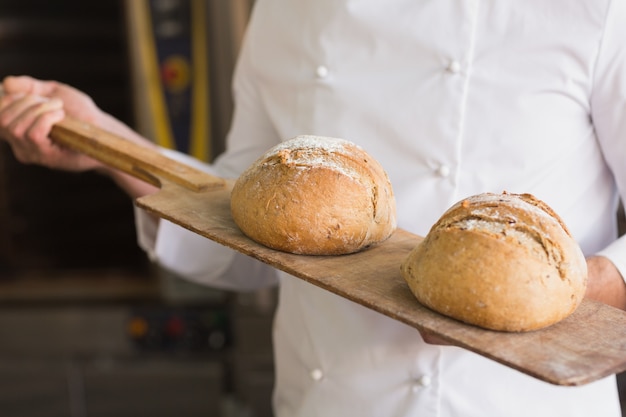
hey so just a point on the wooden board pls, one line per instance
(588, 345)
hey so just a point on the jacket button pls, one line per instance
(321, 72)
(424, 380)
(443, 171)
(317, 374)
(454, 67)
(421, 382)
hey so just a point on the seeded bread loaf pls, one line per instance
(316, 196)
(499, 261)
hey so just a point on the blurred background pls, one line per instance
(88, 327)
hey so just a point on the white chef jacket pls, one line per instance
(453, 98)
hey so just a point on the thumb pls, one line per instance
(28, 85)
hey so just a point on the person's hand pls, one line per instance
(605, 283)
(28, 110)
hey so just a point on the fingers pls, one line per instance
(25, 123)
(28, 85)
(19, 114)
(38, 131)
(19, 110)
(76, 103)
(29, 109)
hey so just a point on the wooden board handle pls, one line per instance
(139, 161)
(143, 162)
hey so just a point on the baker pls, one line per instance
(453, 98)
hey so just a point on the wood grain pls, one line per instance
(588, 345)
(143, 162)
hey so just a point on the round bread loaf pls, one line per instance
(315, 195)
(499, 261)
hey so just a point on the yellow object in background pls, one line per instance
(171, 75)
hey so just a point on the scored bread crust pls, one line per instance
(499, 261)
(315, 195)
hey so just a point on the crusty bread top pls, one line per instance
(307, 151)
(315, 195)
(499, 261)
(522, 216)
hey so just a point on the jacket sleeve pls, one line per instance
(608, 111)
